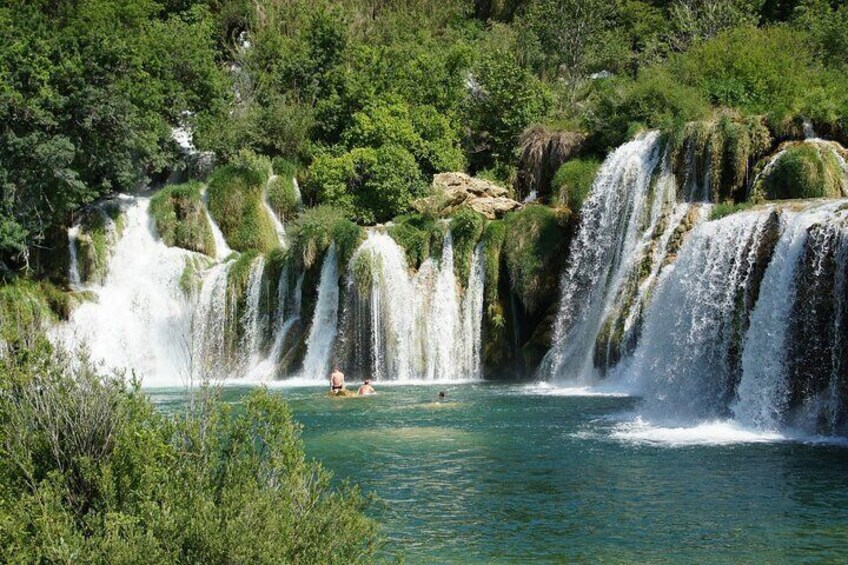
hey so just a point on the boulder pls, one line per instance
(460, 182)
(452, 191)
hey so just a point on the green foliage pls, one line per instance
(466, 227)
(26, 310)
(420, 236)
(316, 228)
(369, 185)
(507, 99)
(90, 89)
(180, 218)
(235, 201)
(537, 238)
(425, 133)
(573, 181)
(805, 171)
(91, 472)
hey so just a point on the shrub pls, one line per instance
(724, 209)
(180, 218)
(235, 201)
(495, 343)
(92, 473)
(283, 196)
(368, 185)
(573, 181)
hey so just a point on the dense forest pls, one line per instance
(369, 99)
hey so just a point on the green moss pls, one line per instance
(495, 343)
(282, 194)
(180, 218)
(420, 236)
(235, 201)
(719, 211)
(466, 228)
(191, 278)
(98, 233)
(805, 170)
(537, 237)
(573, 181)
(721, 150)
(316, 228)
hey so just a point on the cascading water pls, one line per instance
(601, 254)
(684, 365)
(322, 334)
(764, 392)
(73, 263)
(418, 326)
(279, 228)
(138, 320)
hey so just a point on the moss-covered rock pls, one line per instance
(100, 228)
(180, 218)
(420, 236)
(538, 238)
(573, 181)
(316, 228)
(466, 227)
(805, 170)
(283, 195)
(495, 350)
(235, 201)
(713, 157)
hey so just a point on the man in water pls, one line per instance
(366, 389)
(337, 384)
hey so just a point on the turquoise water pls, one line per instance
(511, 473)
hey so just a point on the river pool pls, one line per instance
(509, 473)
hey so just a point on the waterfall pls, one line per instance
(602, 252)
(684, 364)
(222, 250)
(73, 261)
(322, 334)
(209, 327)
(748, 323)
(138, 320)
(470, 347)
(253, 320)
(763, 394)
(279, 228)
(417, 326)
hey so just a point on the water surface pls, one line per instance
(509, 473)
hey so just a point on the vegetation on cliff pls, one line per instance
(180, 218)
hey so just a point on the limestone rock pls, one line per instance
(452, 191)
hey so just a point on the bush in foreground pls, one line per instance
(90, 472)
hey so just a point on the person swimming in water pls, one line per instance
(337, 384)
(366, 389)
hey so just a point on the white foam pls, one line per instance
(717, 432)
(548, 389)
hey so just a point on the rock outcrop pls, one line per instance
(452, 191)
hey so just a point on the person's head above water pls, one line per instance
(336, 369)
(368, 381)
(442, 394)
